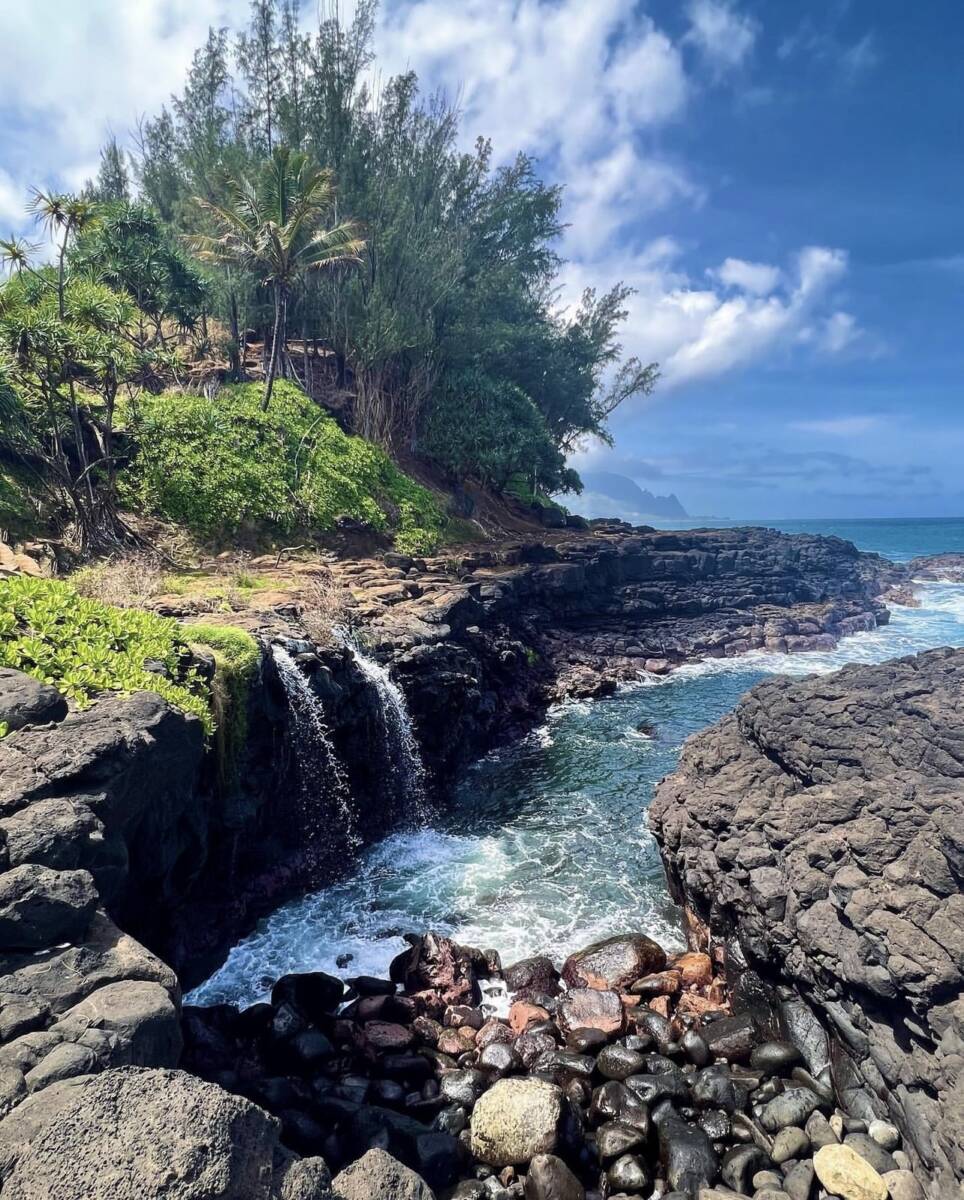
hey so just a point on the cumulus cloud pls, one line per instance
(697, 332)
(724, 36)
(759, 279)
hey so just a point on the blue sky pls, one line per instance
(781, 182)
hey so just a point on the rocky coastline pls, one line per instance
(815, 837)
(129, 863)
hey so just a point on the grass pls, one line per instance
(236, 660)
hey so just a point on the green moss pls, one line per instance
(236, 659)
(84, 647)
(217, 464)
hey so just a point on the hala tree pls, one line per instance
(274, 225)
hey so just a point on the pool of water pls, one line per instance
(546, 846)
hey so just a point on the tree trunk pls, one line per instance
(276, 338)
(236, 366)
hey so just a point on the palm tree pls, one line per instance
(62, 215)
(273, 225)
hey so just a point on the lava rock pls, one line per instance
(871, 1151)
(591, 1008)
(515, 1120)
(40, 907)
(379, 1174)
(687, 1154)
(314, 994)
(739, 1166)
(548, 1178)
(628, 1174)
(732, 1038)
(25, 701)
(616, 1062)
(774, 1058)
(790, 1142)
(791, 1108)
(614, 964)
(614, 1139)
(531, 975)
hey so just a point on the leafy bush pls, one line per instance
(489, 430)
(236, 659)
(83, 647)
(216, 464)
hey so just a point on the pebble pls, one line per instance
(792, 1108)
(884, 1134)
(616, 1062)
(871, 1151)
(790, 1142)
(844, 1173)
(766, 1179)
(819, 1131)
(798, 1181)
(773, 1057)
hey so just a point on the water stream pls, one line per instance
(325, 794)
(402, 754)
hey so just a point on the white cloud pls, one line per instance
(13, 197)
(76, 72)
(698, 332)
(838, 426)
(723, 36)
(760, 279)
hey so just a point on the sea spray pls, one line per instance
(325, 793)
(401, 745)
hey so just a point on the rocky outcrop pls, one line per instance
(135, 1134)
(942, 568)
(481, 645)
(819, 829)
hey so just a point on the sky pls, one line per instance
(782, 184)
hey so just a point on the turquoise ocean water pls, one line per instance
(547, 847)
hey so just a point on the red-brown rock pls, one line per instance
(591, 1008)
(615, 963)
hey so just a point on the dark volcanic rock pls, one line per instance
(26, 701)
(822, 824)
(615, 963)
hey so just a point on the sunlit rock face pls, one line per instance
(822, 824)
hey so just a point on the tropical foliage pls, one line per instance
(83, 647)
(218, 465)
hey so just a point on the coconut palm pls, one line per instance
(275, 225)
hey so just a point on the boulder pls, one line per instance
(614, 964)
(591, 1008)
(377, 1174)
(27, 701)
(40, 907)
(135, 1134)
(515, 1120)
(141, 1017)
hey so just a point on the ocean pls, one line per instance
(546, 847)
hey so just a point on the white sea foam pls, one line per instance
(549, 847)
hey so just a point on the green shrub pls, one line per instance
(83, 647)
(486, 429)
(216, 464)
(236, 659)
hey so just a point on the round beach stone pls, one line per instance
(615, 963)
(790, 1142)
(844, 1173)
(515, 1120)
(591, 1008)
(550, 1179)
(903, 1186)
(884, 1134)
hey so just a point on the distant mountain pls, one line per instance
(607, 494)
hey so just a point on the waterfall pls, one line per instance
(324, 784)
(401, 745)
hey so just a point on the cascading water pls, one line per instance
(324, 784)
(401, 745)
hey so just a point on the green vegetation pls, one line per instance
(218, 464)
(83, 647)
(430, 318)
(236, 658)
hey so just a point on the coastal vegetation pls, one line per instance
(297, 280)
(83, 647)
